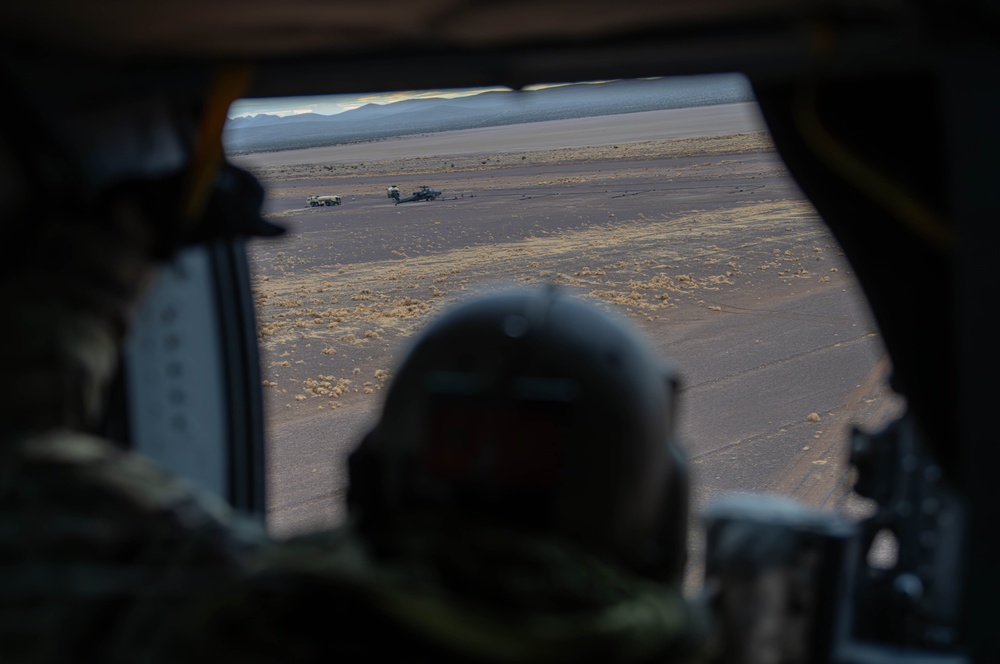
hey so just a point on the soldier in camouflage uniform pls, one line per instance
(100, 551)
(106, 558)
(520, 500)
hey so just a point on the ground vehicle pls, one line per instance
(422, 194)
(810, 65)
(316, 201)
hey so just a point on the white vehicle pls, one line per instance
(316, 201)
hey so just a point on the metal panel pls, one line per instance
(174, 369)
(193, 381)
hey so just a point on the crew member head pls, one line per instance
(539, 411)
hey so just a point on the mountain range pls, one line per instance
(268, 133)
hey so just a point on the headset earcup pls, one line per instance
(365, 493)
(673, 531)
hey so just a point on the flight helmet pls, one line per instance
(535, 410)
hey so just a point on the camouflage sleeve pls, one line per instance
(101, 555)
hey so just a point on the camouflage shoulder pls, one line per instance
(74, 475)
(104, 554)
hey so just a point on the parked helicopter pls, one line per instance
(423, 194)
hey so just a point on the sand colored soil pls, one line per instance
(649, 235)
(703, 243)
(489, 161)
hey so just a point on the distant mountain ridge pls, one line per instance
(268, 133)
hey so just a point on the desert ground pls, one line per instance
(699, 238)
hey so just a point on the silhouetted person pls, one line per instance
(521, 498)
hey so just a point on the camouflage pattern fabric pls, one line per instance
(436, 588)
(101, 554)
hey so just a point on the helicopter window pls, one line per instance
(660, 199)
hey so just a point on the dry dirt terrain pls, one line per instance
(705, 244)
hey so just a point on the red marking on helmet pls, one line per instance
(516, 445)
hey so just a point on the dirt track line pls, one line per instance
(772, 313)
(335, 494)
(784, 360)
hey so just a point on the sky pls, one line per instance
(333, 104)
